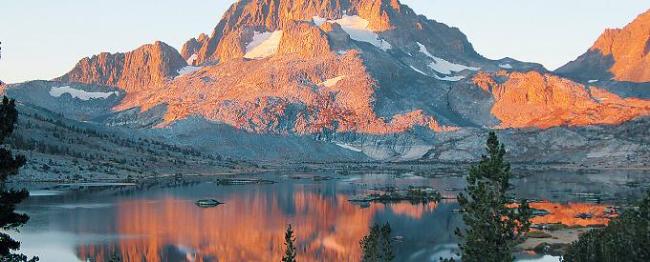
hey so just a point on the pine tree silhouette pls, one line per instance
(493, 227)
(377, 246)
(9, 198)
(289, 242)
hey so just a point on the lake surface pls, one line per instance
(158, 221)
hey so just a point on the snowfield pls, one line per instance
(188, 70)
(358, 30)
(419, 71)
(443, 66)
(446, 78)
(264, 45)
(80, 94)
(505, 66)
(450, 78)
(192, 58)
(348, 147)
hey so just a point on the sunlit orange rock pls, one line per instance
(539, 100)
(630, 48)
(190, 49)
(150, 65)
(304, 39)
(278, 14)
(285, 94)
(623, 53)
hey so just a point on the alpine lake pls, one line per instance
(160, 220)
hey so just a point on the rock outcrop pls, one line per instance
(190, 49)
(533, 99)
(619, 54)
(147, 66)
(305, 40)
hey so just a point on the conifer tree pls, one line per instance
(626, 238)
(377, 246)
(289, 242)
(9, 198)
(493, 226)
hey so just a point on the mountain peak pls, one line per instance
(619, 54)
(635, 33)
(388, 20)
(150, 64)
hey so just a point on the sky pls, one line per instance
(43, 39)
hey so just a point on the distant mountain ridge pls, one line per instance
(618, 54)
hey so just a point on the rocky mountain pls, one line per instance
(149, 65)
(533, 99)
(618, 54)
(329, 80)
(83, 105)
(397, 25)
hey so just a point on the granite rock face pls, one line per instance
(191, 48)
(150, 65)
(618, 54)
(533, 99)
(395, 22)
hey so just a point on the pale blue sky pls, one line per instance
(42, 39)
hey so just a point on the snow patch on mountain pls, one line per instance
(263, 45)
(446, 78)
(419, 71)
(358, 29)
(348, 147)
(450, 78)
(505, 66)
(80, 94)
(319, 20)
(443, 66)
(423, 49)
(188, 70)
(191, 59)
(332, 81)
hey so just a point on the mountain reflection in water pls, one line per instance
(160, 222)
(247, 228)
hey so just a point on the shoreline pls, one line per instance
(427, 169)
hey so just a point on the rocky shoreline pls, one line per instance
(425, 169)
